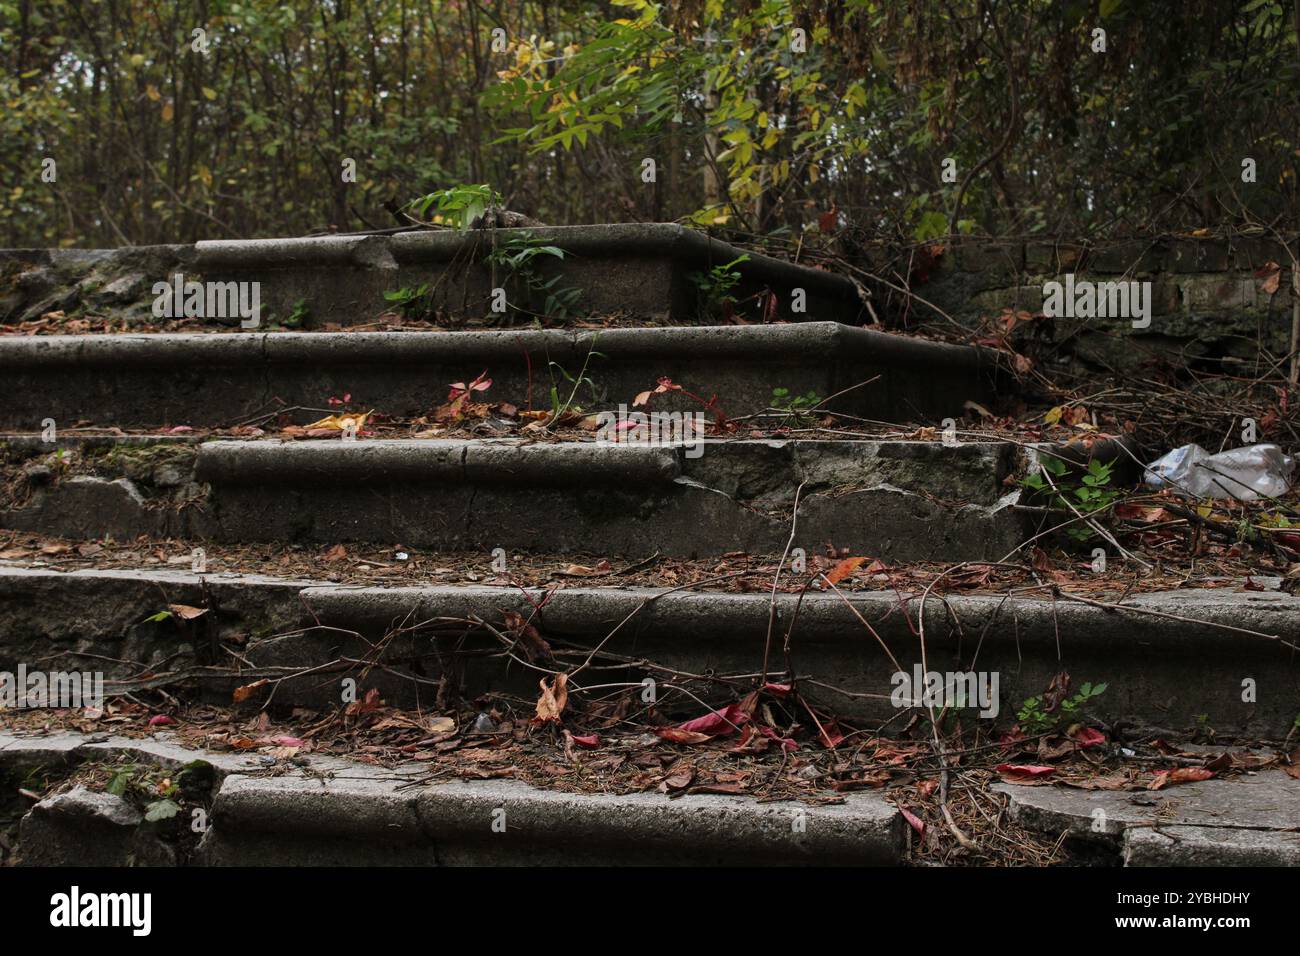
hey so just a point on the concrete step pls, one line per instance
(338, 812)
(894, 500)
(1169, 659)
(148, 380)
(1248, 821)
(641, 271)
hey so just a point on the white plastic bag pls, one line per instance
(1255, 471)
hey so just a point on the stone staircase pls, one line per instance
(121, 463)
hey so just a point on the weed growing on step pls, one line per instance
(296, 319)
(715, 288)
(1092, 495)
(408, 300)
(535, 295)
(798, 409)
(1034, 719)
(562, 406)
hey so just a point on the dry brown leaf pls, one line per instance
(553, 700)
(187, 613)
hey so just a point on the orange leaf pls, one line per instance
(843, 569)
(242, 694)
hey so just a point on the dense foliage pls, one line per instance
(762, 116)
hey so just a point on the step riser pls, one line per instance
(878, 499)
(1159, 671)
(642, 272)
(354, 814)
(137, 381)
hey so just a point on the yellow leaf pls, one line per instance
(341, 422)
(209, 93)
(1053, 417)
(151, 91)
(167, 112)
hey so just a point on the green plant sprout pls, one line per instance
(1034, 720)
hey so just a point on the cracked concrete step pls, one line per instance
(1252, 820)
(339, 812)
(894, 500)
(1171, 659)
(643, 271)
(149, 380)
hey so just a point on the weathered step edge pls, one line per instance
(614, 499)
(349, 813)
(644, 271)
(1170, 658)
(133, 380)
(1246, 821)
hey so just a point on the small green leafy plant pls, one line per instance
(561, 405)
(409, 301)
(715, 288)
(295, 319)
(536, 295)
(1035, 720)
(1092, 495)
(798, 409)
(459, 205)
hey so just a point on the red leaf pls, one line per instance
(1014, 770)
(830, 735)
(778, 690)
(720, 723)
(1012, 737)
(916, 822)
(678, 736)
(161, 720)
(828, 220)
(590, 741)
(1087, 737)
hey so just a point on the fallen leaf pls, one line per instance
(1271, 273)
(535, 646)
(678, 736)
(242, 694)
(1088, 737)
(720, 722)
(340, 423)
(553, 699)
(678, 779)
(1181, 775)
(843, 569)
(913, 820)
(1012, 772)
(187, 613)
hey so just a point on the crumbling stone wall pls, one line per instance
(1210, 304)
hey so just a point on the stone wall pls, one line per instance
(1208, 303)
